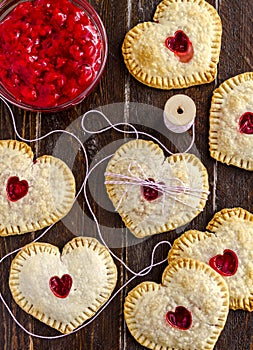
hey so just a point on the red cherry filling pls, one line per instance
(225, 264)
(16, 189)
(181, 318)
(181, 45)
(49, 52)
(150, 193)
(61, 286)
(246, 123)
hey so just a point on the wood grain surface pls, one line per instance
(230, 186)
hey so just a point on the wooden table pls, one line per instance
(230, 186)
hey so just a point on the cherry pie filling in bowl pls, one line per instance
(51, 53)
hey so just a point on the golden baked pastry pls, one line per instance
(228, 249)
(63, 289)
(34, 194)
(179, 49)
(231, 122)
(187, 311)
(153, 194)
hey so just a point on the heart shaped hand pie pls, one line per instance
(153, 194)
(187, 311)
(231, 122)
(34, 194)
(63, 290)
(228, 249)
(179, 49)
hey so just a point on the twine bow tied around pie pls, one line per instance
(153, 194)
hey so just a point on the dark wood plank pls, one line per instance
(233, 185)
(229, 186)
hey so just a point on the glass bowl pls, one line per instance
(51, 59)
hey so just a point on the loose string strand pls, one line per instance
(112, 126)
(35, 240)
(62, 131)
(95, 218)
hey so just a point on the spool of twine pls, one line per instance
(179, 113)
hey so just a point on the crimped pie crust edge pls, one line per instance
(228, 214)
(166, 83)
(135, 294)
(69, 179)
(155, 149)
(215, 114)
(188, 238)
(32, 248)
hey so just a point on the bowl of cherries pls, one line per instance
(52, 53)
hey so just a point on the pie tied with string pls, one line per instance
(63, 289)
(187, 311)
(179, 49)
(231, 122)
(228, 249)
(154, 194)
(34, 193)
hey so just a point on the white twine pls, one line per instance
(179, 129)
(164, 189)
(143, 272)
(137, 133)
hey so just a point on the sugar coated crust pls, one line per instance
(51, 189)
(91, 268)
(140, 159)
(230, 101)
(230, 229)
(187, 283)
(149, 60)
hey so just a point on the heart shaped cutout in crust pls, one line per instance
(178, 187)
(226, 264)
(231, 122)
(228, 248)
(87, 264)
(61, 286)
(153, 62)
(34, 194)
(191, 290)
(16, 189)
(181, 45)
